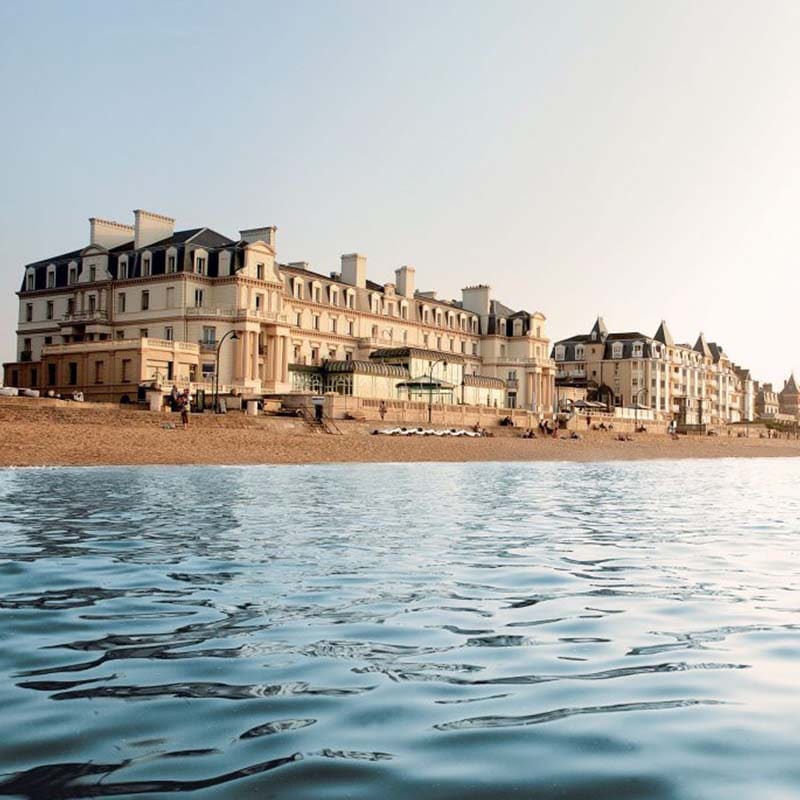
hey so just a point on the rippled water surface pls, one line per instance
(624, 630)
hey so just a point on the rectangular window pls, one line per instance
(121, 302)
(201, 266)
(168, 333)
(51, 279)
(298, 319)
(315, 321)
(72, 275)
(126, 370)
(123, 270)
(145, 300)
(170, 297)
(198, 298)
(351, 328)
(146, 266)
(28, 312)
(98, 371)
(70, 307)
(72, 373)
(49, 309)
(258, 302)
(333, 324)
(120, 334)
(48, 340)
(92, 274)
(143, 332)
(170, 263)
(92, 303)
(260, 272)
(51, 374)
(31, 282)
(209, 334)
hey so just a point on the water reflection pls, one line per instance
(639, 621)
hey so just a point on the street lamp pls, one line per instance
(234, 337)
(430, 386)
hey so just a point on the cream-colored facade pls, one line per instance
(693, 385)
(167, 303)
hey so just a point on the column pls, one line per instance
(254, 355)
(285, 361)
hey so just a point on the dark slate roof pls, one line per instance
(716, 351)
(599, 330)
(202, 237)
(791, 385)
(626, 339)
(663, 335)
(497, 309)
(55, 259)
(701, 346)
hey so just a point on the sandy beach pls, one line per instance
(34, 434)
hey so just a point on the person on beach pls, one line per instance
(382, 410)
(184, 404)
(173, 397)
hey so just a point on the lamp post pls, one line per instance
(234, 337)
(430, 386)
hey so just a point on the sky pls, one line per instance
(637, 160)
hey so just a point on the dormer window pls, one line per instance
(200, 264)
(51, 277)
(637, 349)
(260, 272)
(502, 327)
(517, 327)
(92, 274)
(171, 263)
(579, 352)
(30, 283)
(351, 299)
(72, 275)
(122, 271)
(146, 266)
(616, 350)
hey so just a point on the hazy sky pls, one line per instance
(634, 159)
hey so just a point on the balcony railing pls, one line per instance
(232, 313)
(86, 316)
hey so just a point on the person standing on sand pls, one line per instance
(382, 410)
(185, 404)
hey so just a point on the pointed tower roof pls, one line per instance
(663, 335)
(599, 331)
(701, 346)
(791, 385)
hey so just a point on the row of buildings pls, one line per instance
(145, 304)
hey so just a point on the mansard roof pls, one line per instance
(663, 335)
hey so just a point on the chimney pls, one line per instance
(404, 281)
(267, 234)
(107, 233)
(151, 228)
(354, 270)
(300, 265)
(476, 299)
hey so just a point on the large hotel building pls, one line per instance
(143, 304)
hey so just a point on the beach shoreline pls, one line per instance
(34, 435)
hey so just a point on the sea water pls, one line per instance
(540, 630)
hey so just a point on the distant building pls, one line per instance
(695, 385)
(145, 303)
(789, 398)
(767, 402)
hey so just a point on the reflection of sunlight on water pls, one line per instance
(632, 630)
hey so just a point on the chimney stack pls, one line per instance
(354, 270)
(267, 234)
(107, 233)
(151, 228)
(404, 281)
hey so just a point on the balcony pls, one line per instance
(26, 355)
(236, 313)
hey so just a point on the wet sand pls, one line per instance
(34, 434)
